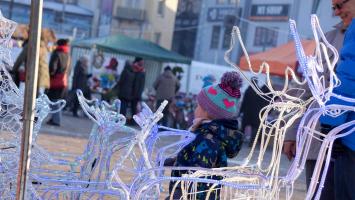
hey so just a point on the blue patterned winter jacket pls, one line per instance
(215, 142)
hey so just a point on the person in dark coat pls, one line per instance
(251, 106)
(19, 62)
(131, 84)
(59, 63)
(80, 81)
(216, 130)
(166, 86)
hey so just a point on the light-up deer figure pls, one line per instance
(323, 91)
(250, 180)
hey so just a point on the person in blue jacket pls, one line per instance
(344, 166)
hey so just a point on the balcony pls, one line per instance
(130, 14)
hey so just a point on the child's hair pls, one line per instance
(220, 101)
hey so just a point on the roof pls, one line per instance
(70, 8)
(130, 46)
(278, 58)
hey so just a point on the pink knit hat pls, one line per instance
(220, 101)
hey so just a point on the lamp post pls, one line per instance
(11, 6)
(30, 97)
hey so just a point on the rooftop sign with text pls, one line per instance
(270, 12)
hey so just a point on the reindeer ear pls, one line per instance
(89, 106)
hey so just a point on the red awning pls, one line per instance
(278, 58)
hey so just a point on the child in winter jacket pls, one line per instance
(215, 126)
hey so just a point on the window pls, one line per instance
(234, 2)
(227, 37)
(157, 37)
(216, 31)
(66, 1)
(133, 4)
(229, 22)
(227, 1)
(161, 7)
(265, 37)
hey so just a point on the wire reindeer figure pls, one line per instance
(323, 91)
(93, 164)
(112, 184)
(259, 180)
(255, 182)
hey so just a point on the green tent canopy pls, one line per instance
(130, 46)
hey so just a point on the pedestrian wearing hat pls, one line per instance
(216, 130)
(130, 85)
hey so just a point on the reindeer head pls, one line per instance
(314, 69)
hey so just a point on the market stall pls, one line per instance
(122, 48)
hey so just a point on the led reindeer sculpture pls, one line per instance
(140, 169)
(93, 165)
(10, 114)
(43, 173)
(11, 100)
(11, 127)
(322, 90)
(144, 163)
(260, 180)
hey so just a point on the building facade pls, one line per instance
(152, 20)
(263, 25)
(266, 24)
(216, 20)
(66, 20)
(186, 26)
(161, 19)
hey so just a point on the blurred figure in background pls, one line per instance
(251, 106)
(59, 66)
(208, 80)
(19, 69)
(130, 85)
(80, 81)
(166, 86)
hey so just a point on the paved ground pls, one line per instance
(72, 136)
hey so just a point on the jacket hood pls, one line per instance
(168, 74)
(226, 131)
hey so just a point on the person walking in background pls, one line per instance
(80, 81)
(166, 86)
(130, 85)
(345, 10)
(216, 130)
(251, 106)
(59, 66)
(19, 69)
(43, 68)
(208, 80)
